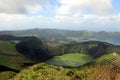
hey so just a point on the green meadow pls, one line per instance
(71, 59)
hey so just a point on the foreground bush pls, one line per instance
(44, 71)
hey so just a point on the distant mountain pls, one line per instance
(67, 35)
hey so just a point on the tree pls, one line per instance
(33, 48)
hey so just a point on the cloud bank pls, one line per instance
(94, 15)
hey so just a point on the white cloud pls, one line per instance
(87, 14)
(99, 7)
(71, 14)
(18, 21)
(63, 10)
(87, 22)
(19, 6)
(33, 9)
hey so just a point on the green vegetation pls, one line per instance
(91, 60)
(33, 48)
(44, 71)
(8, 48)
(106, 57)
(71, 59)
(9, 57)
(7, 75)
(94, 48)
(109, 58)
(4, 59)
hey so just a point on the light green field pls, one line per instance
(71, 59)
(8, 48)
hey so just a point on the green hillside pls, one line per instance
(113, 58)
(71, 59)
(43, 71)
(94, 48)
(8, 48)
(6, 75)
(40, 51)
(10, 57)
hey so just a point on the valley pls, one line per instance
(35, 59)
(71, 60)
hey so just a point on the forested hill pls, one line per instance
(67, 35)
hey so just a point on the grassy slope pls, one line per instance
(113, 58)
(8, 48)
(106, 57)
(72, 59)
(9, 56)
(4, 59)
(44, 71)
(7, 75)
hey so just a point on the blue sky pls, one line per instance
(93, 15)
(116, 6)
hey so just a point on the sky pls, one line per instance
(92, 15)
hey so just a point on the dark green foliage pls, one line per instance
(98, 50)
(113, 49)
(58, 50)
(94, 48)
(8, 37)
(37, 50)
(34, 49)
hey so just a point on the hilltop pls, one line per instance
(44, 71)
(64, 36)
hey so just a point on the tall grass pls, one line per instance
(49, 72)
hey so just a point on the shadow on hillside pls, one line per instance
(4, 68)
